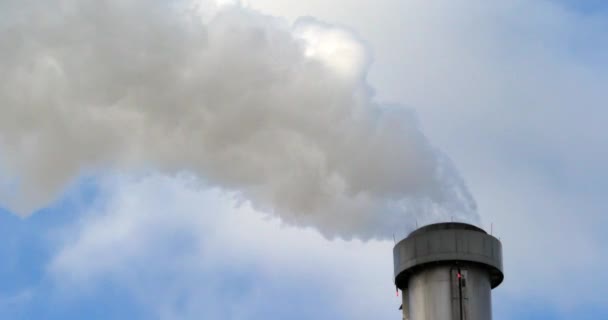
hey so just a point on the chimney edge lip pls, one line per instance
(446, 226)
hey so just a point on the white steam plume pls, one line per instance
(280, 114)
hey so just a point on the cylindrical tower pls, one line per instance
(446, 271)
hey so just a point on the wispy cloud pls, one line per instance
(188, 252)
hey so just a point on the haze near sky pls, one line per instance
(512, 92)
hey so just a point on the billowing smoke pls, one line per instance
(279, 114)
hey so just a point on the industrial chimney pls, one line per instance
(446, 271)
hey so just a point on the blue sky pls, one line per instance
(514, 93)
(31, 291)
(586, 6)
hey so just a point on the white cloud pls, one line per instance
(168, 241)
(336, 47)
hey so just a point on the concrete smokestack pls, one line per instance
(447, 271)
